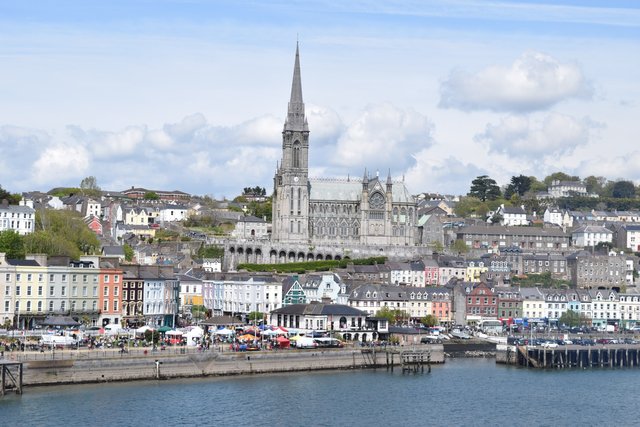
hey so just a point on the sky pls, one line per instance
(191, 95)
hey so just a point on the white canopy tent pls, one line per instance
(194, 335)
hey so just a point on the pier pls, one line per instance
(571, 356)
(410, 359)
(11, 377)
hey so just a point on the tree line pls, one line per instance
(486, 195)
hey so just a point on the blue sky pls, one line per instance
(192, 94)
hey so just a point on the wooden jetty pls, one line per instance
(572, 356)
(411, 359)
(11, 377)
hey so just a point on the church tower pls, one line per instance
(290, 204)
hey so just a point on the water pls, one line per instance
(462, 392)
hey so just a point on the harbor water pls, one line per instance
(461, 392)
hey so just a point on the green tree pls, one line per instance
(572, 319)
(484, 188)
(460, 247)
(392, 316)
(211, 251)
(89, 186)
(519, 185)
(61, 233)
(151, 195)
(559, 176)
(469, 206)
(430, 320)
(255, 316)
(13, 199)
(128, 252)
(12, 244)
(537, 186)
(623, 190)
(198, 312)
(595, 185)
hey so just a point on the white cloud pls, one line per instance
(613, 168)
(186, 128)
(382, 136)
(521, 136)
(534, 81)
(325, 125)
(60, 163)
(445, 175)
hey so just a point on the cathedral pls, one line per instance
(325, 211)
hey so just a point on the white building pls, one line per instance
(250, 227)
(533, 303)
(21, 218)
(241, 296)
(591, 235)
(172, 213)
(407, 273)
(512, 216)
(161, 299)
(212, 265)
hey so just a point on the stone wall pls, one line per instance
(144, 367)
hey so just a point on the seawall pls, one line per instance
(161, 365)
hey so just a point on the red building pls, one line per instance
(482, 303)
(111, 294)
(93, 222)
(431, 272)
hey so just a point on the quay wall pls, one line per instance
(210, 363)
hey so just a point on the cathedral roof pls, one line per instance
(351, 190)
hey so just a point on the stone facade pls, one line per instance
(350, 212)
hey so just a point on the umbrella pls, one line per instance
(164, 329)
(144, 329)
(175, 333)
(224, 331)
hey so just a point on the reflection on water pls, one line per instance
(460, 392)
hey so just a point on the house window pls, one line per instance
(106, 278)
(116, 291)
(105, 291)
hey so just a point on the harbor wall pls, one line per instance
(210, 363)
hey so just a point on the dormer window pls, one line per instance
(413, 296)
(375, 295)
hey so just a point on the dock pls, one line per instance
(410, 359)
(571, 356)
(10, 377)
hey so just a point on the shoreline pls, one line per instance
(80, 367)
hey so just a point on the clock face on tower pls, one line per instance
(295, 179)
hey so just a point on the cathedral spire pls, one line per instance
(296, 120)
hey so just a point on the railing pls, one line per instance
(70, 353)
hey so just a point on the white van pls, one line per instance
(306, 342)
